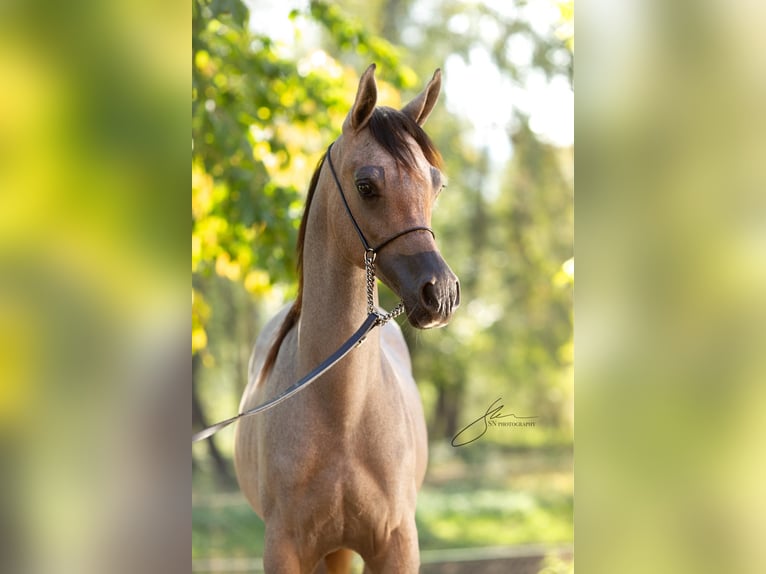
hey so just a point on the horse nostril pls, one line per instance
(428, 296)
(457, 294)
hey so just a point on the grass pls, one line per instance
(226, 528)
(500, 497)
(489, 497)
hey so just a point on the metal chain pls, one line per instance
(369, 267)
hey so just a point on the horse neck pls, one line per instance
(334, 305)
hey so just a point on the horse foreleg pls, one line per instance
(282, 555)
(399, 555)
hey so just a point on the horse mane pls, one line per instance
(389, 128)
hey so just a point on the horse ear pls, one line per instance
(364, 104)
(420, 108)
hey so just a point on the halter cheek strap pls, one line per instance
(367, 247)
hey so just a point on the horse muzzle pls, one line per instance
(426, 284)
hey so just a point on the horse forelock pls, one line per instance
(390, 128)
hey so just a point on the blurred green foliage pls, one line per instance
(93, 174)
(671, 308)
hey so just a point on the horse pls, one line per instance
(336, 469)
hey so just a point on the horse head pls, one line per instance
(392, 176)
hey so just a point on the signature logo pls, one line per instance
(491, 418)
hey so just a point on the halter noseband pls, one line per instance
(368, 249)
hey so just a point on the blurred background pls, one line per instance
(272, 83)
(671, 283)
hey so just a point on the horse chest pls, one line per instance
(350, 499)
(353, 466)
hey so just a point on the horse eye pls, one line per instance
(365, 189)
